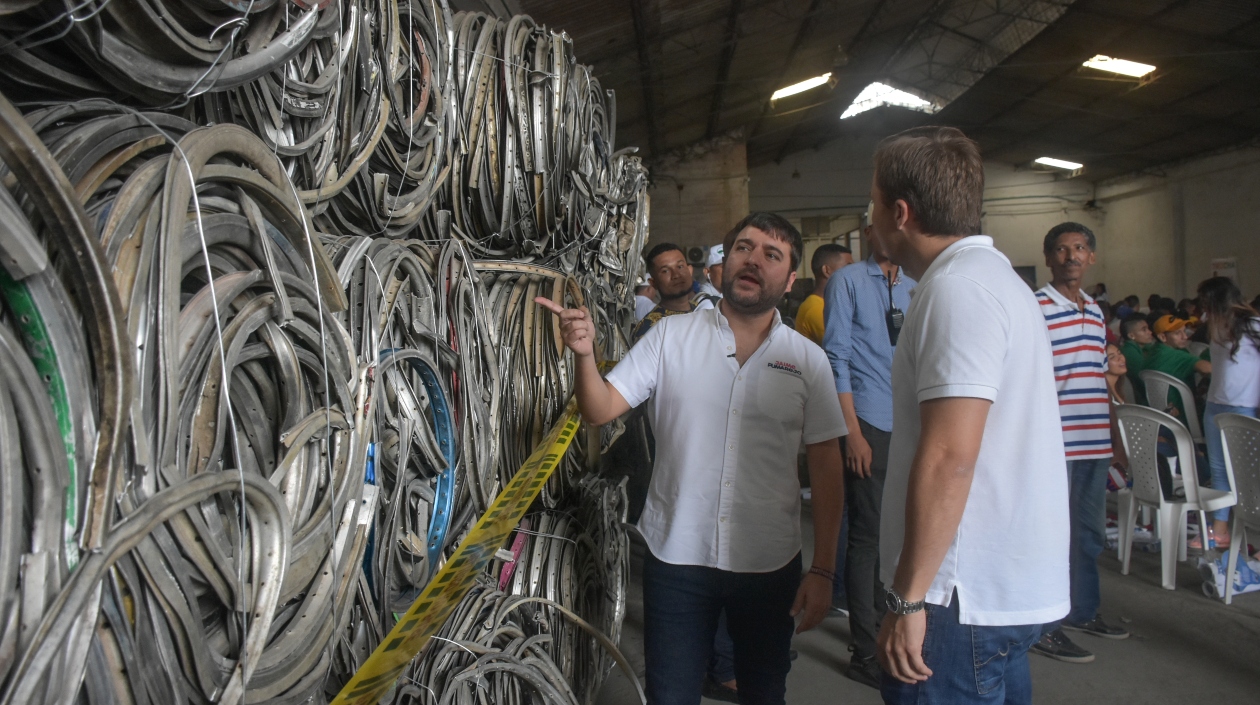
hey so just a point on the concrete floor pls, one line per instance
(1185, 648)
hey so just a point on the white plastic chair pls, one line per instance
(1240, 436)
(1139, 430)
(1196, 349)
(1126, 390)
(1157, 385)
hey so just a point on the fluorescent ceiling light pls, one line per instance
(801, 87)
(1123, 67)
(1059, 163)
(878, 94)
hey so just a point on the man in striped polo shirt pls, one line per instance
(1079, 346)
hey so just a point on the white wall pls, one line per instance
(833, 180)
(1156, 234)
(1204, 209)
(1021, 206)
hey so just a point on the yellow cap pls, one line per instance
(1164, 324)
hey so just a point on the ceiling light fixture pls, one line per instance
(1124, 67)
(1059, 163)
(801, 87)
(878, 94)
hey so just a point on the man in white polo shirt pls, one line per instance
(975, 513)
(732, 393)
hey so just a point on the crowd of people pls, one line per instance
(958, 430)
(1209, 343)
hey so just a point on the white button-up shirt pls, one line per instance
(724, 491)
(974, 329)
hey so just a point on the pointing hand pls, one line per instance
(576, 326)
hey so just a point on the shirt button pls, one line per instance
(723, 520)
(735, 411)
(730, 447)
(727, 484)
(728, 347)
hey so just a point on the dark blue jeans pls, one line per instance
(1087, 511)
(970, 665)
(839, 595)
(681, 604)
(722, 664)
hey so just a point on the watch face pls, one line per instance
(891, 600)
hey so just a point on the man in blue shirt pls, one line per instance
(859, 339)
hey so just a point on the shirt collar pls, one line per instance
(719, 320)
(671, 312)
(951, 252)
(873, 269)
(1062, 300)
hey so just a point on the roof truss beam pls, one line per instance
(724, 68)
(647, 28)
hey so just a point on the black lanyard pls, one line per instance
(894, 318)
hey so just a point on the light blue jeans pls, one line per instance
(1216, 452)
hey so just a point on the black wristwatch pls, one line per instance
(898, 605)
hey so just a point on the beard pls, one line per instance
(754, 302)
(675, 291)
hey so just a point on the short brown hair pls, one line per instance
(773, 225)
(938, 172)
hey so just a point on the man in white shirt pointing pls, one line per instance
(732, 393)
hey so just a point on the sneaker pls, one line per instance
(864, 670)
(716, 691)
(1057, 646)
(838, 612)
(1098, 627)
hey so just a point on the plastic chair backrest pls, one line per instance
(1126, 390)
(1139, 430)
(1240, 436)
(1196, 349)
(1157, 385)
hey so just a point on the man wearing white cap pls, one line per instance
(713, 271)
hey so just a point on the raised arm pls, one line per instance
(598, 400)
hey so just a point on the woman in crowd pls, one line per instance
(1234, 334)
(1100, 293)
(1117, 368)
(1117, 380)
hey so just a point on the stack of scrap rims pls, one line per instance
(269, 348)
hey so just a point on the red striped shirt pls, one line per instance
(1078, 343)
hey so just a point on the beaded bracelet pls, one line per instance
(823, 572)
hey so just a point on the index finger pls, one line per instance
(549, 305)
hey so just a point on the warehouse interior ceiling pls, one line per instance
(1008, 72)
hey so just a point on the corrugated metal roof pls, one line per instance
(1018, 89)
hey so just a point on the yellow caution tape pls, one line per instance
(431, 610)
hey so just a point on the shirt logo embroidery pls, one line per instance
(784, 366)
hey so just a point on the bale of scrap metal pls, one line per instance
(268, 345)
